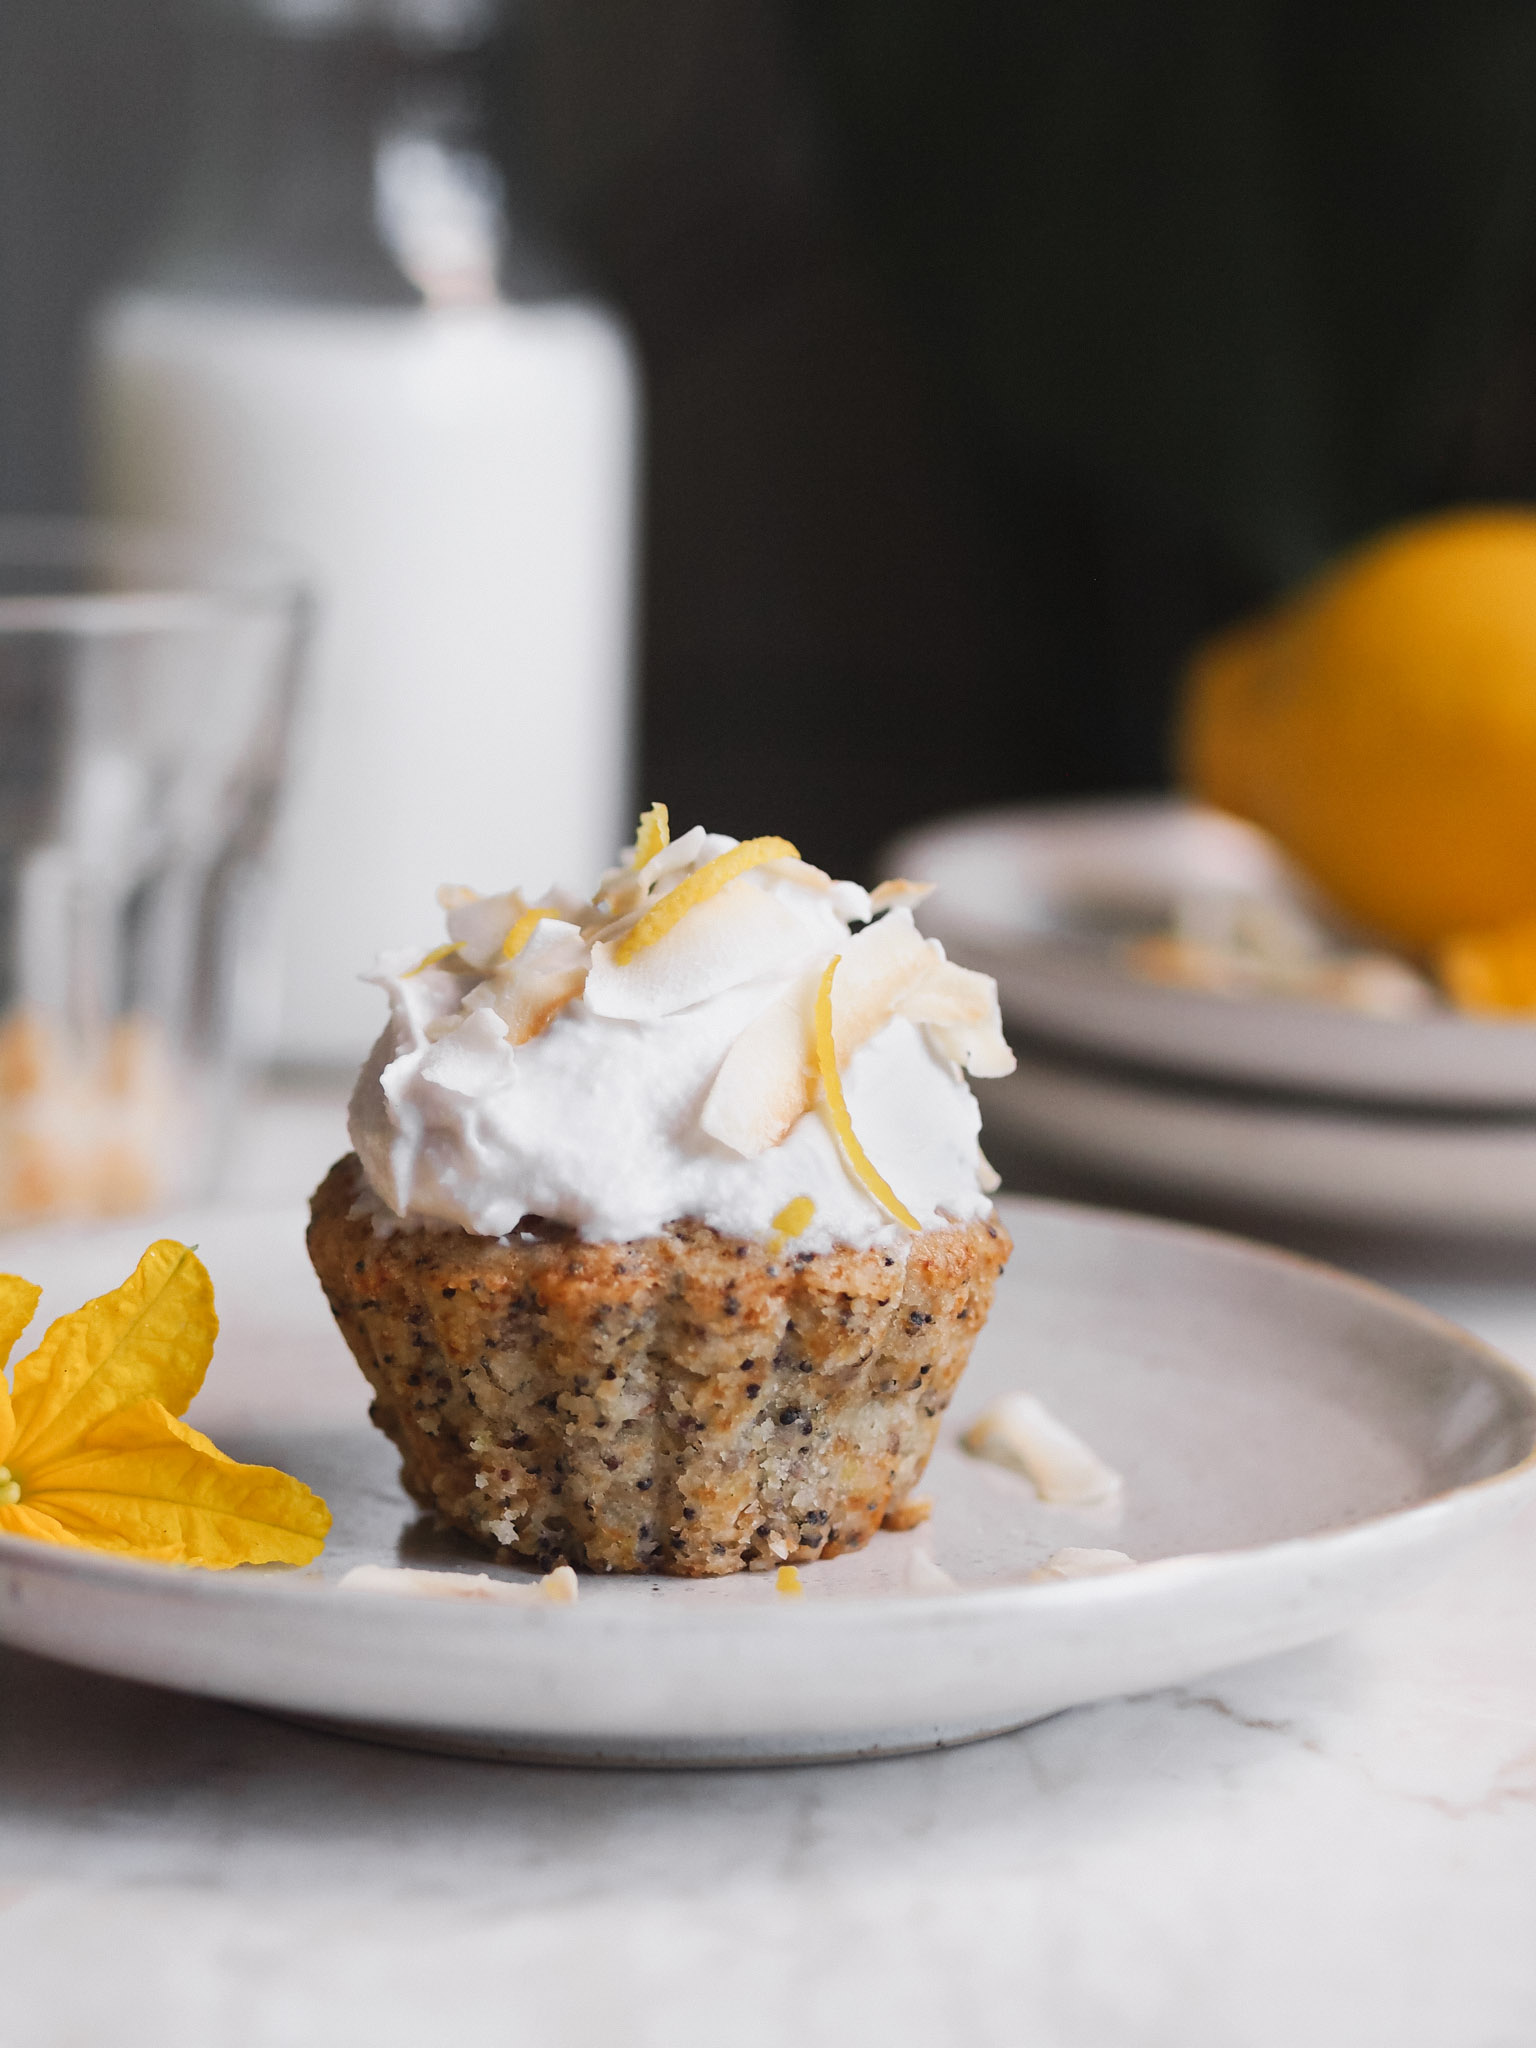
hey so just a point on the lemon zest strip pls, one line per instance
(523, 931)
(795, 1216)
(655, 834)
(837, 1107)
(437, 953)
(708, 881)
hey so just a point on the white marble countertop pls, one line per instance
(1334, 1847)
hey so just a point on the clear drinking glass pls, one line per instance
(146, 692)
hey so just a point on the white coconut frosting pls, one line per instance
(615, 1067)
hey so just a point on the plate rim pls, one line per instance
(281, 1586)
(1090, 963)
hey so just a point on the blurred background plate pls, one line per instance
(1045, 899)
(1229, 1155)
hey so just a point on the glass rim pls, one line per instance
(171, 579)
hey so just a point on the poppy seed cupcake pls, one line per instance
(667, 1234)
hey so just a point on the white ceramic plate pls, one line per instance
(1297, 1446)
(1040, 898)
(1448, 1176)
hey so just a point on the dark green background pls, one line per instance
(995, 348)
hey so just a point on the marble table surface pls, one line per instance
(1337, 1846)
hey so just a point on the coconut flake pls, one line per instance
(472, 1060)
(1076, 1563)
(399, 1582)
(743, 934)
(879, 965)
(532, 987)
(479, 927)
(559, 1588)
(764, 1085)
(1021, 1433)
(890, 970)
(924, 1576)
(666, 911)
(896, 891)
(960, 1010)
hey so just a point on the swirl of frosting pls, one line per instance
(653, 1054)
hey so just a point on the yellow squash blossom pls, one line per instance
(92, 1453)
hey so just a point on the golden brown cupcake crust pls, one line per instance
(686, 1403)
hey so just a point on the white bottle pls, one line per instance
(322, 359)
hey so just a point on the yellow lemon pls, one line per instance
(1490, 970)
(1382, 724)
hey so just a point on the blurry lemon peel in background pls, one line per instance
(1490, 970)
(1381, 724)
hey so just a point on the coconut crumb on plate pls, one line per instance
(1073, 1562)
(1020, 1432)
(556, 1589)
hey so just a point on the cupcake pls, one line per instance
(667, 1234)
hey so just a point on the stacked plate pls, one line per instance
(1425, 1121)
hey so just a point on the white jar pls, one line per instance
(322, 357)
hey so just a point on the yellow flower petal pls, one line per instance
(21, 1520)
(150, 1339)
(18, 1300)
(18, 1305)
(146, 1483)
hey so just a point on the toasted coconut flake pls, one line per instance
(960, 1010)
(837, 1108)
(528, 991)
(1021, 1433)
(531, 1010)
(766, 1082)
(891, 970)
(479, 926)
(1074, 1562)
(401, 1582)
(910, 1513)
(896, 891)
(740, 935)
(698, 888)
(791, 868)
(881, 963)
(926, 1576)
(473, 1059)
